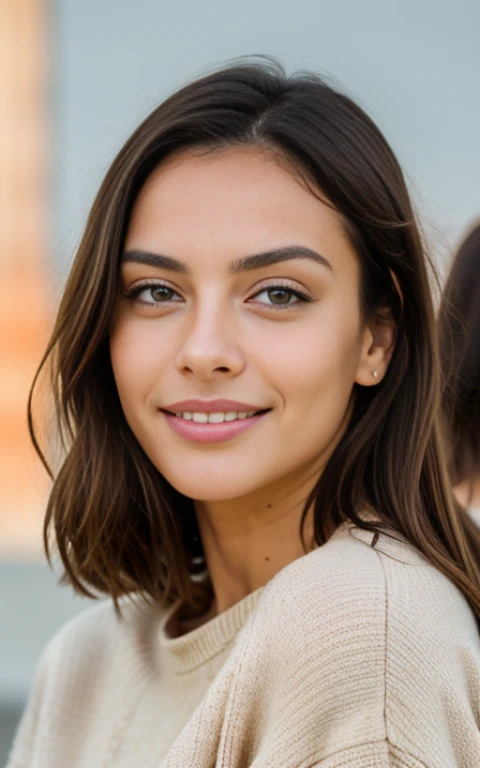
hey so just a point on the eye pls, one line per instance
(280, 297)
(152, 293)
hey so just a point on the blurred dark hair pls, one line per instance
(459, 332)
(119, 525)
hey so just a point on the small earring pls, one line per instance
(375, 374)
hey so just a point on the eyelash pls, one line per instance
(302, 298)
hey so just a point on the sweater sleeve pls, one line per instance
(61, 705)
(377, 664)
(23, 748)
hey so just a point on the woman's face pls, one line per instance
(257, 302)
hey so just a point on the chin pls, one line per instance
(214, 487)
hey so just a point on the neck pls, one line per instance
(468, 492)
(247, 541)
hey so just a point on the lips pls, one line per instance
(212, 433)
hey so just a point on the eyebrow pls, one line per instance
(245, 264)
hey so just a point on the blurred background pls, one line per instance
(76, 76)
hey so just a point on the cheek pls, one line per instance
(314, 371)
(136, 357)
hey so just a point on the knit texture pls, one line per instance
(352, 656)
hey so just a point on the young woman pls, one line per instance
(247, 383)
(459, 324)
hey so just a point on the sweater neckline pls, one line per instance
(195, 648)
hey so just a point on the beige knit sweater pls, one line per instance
(350, 657)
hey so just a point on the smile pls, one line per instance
(215, 418)
(212, 427)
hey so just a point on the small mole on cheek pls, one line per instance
(267, 559)
(269, 506)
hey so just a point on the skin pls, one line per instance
(468, 492)
(219, 336)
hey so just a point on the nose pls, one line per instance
(209, 347)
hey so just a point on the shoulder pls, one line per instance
(90, 671)
(336, 581)
(376, 643)
(432, 660)
(94, 646)
(91, 627)
(331, 606)
(386, 581)
(95, 627)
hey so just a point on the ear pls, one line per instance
(377, 347)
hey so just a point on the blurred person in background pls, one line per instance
(459, 330)
(246, 377)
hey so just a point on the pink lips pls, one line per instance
(221, 405)
(211, 433)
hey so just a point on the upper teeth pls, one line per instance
(215, 418)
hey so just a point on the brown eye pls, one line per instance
(279, 297)
(152, 294)
(160, 293)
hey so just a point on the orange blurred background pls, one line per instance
(24, 301)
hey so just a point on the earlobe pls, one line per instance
(379, 343)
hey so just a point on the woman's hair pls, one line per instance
(459, 332)
(119, 525)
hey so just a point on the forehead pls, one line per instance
(229, 203)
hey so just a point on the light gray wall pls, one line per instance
(413, 64)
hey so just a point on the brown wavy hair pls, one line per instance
(119, 526)
(459, 331)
